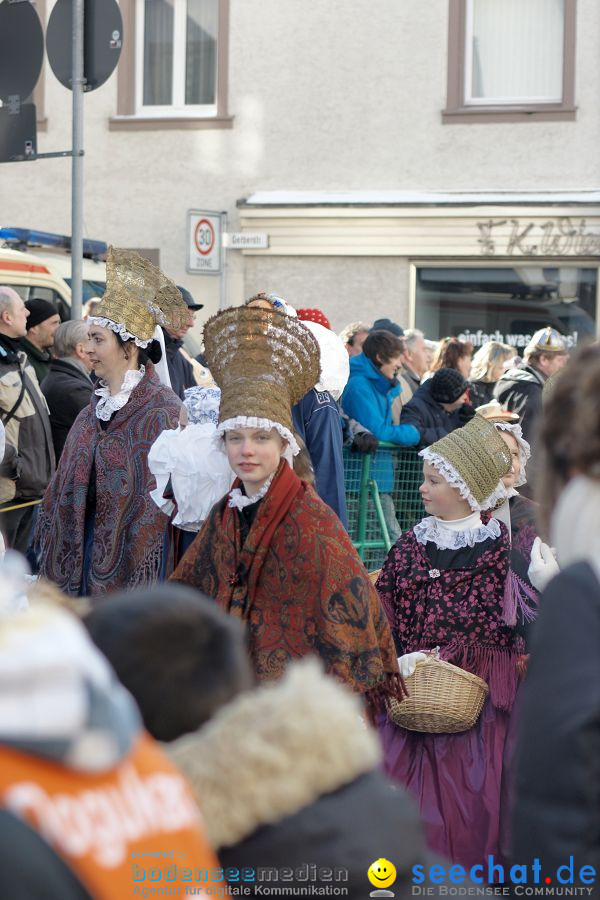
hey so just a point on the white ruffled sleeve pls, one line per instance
(200, 474)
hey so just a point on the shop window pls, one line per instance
(511, 60)
(173, 73)
(506, 303)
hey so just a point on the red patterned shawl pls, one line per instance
(300, 586)
(129, 528)
(459, 610)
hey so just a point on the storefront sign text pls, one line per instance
(555, 237)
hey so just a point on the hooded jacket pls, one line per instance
(520, 391)
(368, 397)
(293, 770)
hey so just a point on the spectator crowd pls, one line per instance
(193, 656)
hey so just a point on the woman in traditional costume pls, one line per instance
(271, 551)
(444, 585)
(99, 530)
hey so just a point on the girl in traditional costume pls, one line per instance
(271, 551)
(99, 530)
(445, 584)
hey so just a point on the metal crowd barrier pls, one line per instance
(369, 477)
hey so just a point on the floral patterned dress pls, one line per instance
(455, 599)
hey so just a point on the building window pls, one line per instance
(506, 303)
(174, 72)
(511, 61)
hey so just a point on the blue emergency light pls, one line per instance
(26, 237)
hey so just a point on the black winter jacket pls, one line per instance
(180, 370)
(481, 392)
(67, 391)
(428, 416)
(557, 794)
(520, 391)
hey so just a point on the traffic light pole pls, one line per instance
(77, 86)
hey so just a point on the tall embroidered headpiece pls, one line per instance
(264, 361)
(473, 459)
(138, 297)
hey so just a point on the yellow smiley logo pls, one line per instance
(382, 873)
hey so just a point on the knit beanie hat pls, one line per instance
(447, 385)
(388, 325)
(473, 459)
(314, 315)
(39, 311)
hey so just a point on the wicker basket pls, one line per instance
(374, 575)
(443, 699)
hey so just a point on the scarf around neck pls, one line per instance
(298, 583)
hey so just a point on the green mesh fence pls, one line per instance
(382, 495)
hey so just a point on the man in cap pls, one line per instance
(520, 389)
(42, 322)
(181, 368)
(388, 325)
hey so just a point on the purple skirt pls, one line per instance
(459, 782)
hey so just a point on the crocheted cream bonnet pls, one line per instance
(473, 459)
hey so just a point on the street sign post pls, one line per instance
(204, 242)
(246, 240)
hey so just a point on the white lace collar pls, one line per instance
(451, 535)
(238, 500)
(109, 404)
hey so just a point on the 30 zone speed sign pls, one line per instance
(204, 242)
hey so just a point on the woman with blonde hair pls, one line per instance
(486, 368)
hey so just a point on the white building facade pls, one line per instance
(435, 163)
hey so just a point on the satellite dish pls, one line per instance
(21, 49)
(102, 43)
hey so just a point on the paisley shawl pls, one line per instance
(460, 610)
(299, 585)
(129, 529)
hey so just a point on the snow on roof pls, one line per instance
(417, 198)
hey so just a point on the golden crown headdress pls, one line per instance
(138, 297)
(263, 361)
